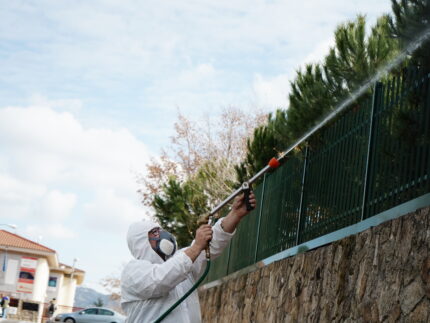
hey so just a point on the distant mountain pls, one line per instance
(86, 297)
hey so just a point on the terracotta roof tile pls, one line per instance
(8, 239)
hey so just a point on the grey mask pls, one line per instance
(166, 244)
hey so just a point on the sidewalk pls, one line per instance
(12, 321)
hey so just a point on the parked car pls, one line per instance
(91, 315)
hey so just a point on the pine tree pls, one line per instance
(350, 63)
(355, 57)
(318, 88)
(99, 302)
(277, 123)
(311, 96)
(261, 148)
(412, 19)
(178, 207)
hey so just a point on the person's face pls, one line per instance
(154, 233)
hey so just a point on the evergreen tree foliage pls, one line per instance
(178, 207)
(197, 171)
(412, 19)
(350, 63)
(207, 180)
(311, 96)
(99, 302)
(355, 57)
(318, 88)
(261, 149)
(278, 125)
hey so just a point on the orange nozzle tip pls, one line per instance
(274, 163)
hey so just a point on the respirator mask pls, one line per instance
(166, 244)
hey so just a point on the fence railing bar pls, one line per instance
(259, 217)
(302, 191)
(376, 91)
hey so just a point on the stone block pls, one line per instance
(338, 282)
(410, 297)
(420, 314)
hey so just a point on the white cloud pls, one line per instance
(56, 205)
(194, 77)
(317, 54)
(24, 199)
(70, 105)
(47, 231)
(51, 147)
(155, 42)
(17, 195)
(17, 191)
(271, 92)
(49, 161)
(112, 212)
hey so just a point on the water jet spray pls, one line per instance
(275, 162)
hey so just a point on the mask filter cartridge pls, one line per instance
(166, 244)
(167, 247)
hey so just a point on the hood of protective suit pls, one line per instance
(150, 286)
(138, 241)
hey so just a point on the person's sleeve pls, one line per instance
(142, 280)
(220, 240)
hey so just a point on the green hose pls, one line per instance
(163, 316)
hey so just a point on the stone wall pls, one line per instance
(24, 315)
(379, 275)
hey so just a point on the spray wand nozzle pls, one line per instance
(244, 188)
(247, 188)
(208, 247)
(273, 164)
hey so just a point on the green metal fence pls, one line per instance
(375, 156)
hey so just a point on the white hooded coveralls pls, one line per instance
(150, 285)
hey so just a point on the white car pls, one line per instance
(91, 315)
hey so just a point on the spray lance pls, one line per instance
(245, 188)
(210, 219)
(275, 162)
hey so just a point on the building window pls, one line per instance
(52, 282)
(14, 302)
(30, 306)
(26, 275)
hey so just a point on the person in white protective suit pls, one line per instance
(159, 276)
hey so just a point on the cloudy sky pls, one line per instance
(89, 90)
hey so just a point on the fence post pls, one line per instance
(375, 99)
(228, 258)
(259, 217)
(302, 192)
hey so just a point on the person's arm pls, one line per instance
(143, 280)
(223, 231)
(237, 213)
(203, 236)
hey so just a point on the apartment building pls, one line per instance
(31, 276)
